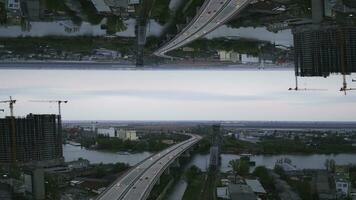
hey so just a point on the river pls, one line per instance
(314, 161)
(71, 153)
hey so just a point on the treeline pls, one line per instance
(328, 145)
(148, 142)
(116, 144)
(82, 44)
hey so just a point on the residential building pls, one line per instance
(34, 139)
(118, 7)
(78, 164)
(241, 191)
(229, 56)
(321, 50)
(222, 193)
(101, 6)
(127, 134)
(13, 4)
(107, 132)
(248, 59)
(256, 187)
(342, 181)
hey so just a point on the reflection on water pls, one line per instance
(315, 161)
(178, 190)
(71, 153)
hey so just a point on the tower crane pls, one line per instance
(343, 70)
(59, 102)
(344, 85)
(11, 103)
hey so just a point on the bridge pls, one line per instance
(137, 183)
(212, 14)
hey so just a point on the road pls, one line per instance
(213, 14)
(138, 182)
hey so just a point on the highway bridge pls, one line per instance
(137, 183)
(212, 14)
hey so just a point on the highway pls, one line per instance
(212, 14)
(137, 183)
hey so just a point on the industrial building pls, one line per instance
(321, 50)
(34, 139)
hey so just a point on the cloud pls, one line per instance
(173, 95)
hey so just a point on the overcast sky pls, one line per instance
(178, 95)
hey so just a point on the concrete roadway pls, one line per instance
(213, 14)
(138, 182)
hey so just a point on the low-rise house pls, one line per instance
(343, 185)
(256, 187)
(241, 191)
(222, 193)
(78, 164)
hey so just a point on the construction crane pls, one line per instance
(11, 103)
(59, 102)
(344, 85)
(303, 89)
(343, 70)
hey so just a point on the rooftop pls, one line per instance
(101, 6)
(255, 186)
(240, 191)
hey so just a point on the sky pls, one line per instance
(178, 95)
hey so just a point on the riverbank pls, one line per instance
(128, 65)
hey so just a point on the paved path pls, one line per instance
(213, 14)
(138, 182)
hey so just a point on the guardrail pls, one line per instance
(155, 179)
(127, 187)
(162, 50)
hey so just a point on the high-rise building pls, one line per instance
(35, 139)
(320, 50)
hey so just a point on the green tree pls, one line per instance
(192, 173)
(100, 171)
(266, 180)
(240, 167)
(119, 167)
